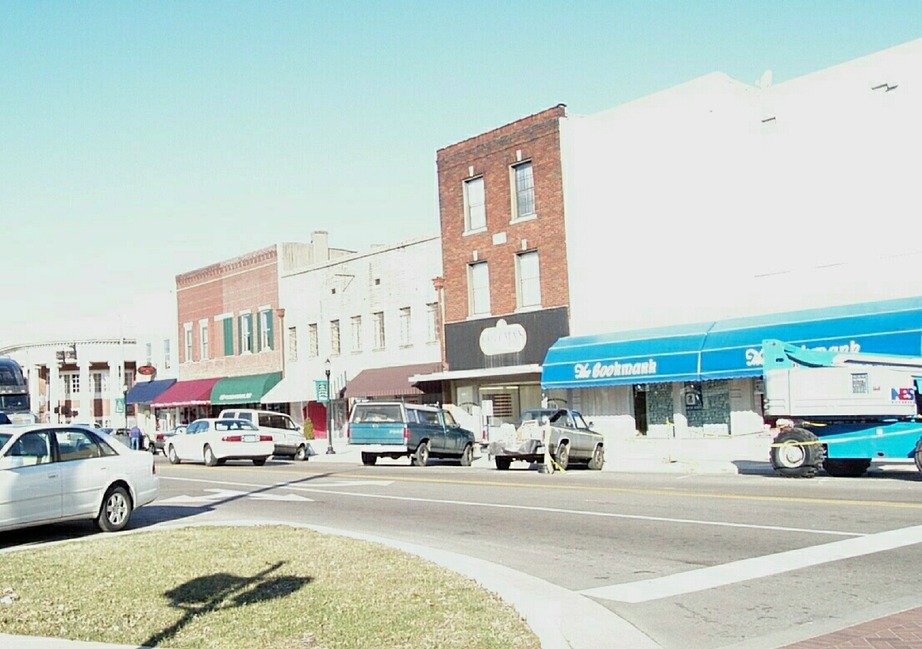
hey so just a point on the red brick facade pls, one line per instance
(492, 155)
(231, 287)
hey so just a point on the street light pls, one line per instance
(326, 370)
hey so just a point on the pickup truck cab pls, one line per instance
(569, 439)
(286, 434)
(393, 429)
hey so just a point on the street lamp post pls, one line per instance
(326, 370)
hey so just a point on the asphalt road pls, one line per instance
(700, 561)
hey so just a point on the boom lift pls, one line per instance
(840, 410)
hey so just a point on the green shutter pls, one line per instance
(228, 337)
(270, 327)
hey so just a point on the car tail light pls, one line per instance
(406, 433)
(265, 438)
(153, 468)
(348, 432)
(232, 438)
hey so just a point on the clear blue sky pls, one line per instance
(139, 140)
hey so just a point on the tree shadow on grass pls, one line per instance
(222, 591)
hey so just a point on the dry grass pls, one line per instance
(250, 587)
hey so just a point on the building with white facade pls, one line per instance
(373, 315)
(80, 380)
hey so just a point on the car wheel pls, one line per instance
(171, 455)
(598, 458)
(467, 455)
(369, 459)
(210, 459)
(115, 510)
(421, 457)
(301, 453)
(503, 463)
(563, 456)
(259, 461)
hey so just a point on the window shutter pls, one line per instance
(228, 337)
(270, 328)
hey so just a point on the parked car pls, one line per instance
(162, 436)
(214, 441)
(570, 440)
(51, 473)
(395, 429)
(287, 435)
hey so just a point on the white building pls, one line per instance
(81, 380)
(373, 315)
(716, 200)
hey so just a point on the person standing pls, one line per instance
(134, 437)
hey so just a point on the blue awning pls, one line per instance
(730, 348)
(147, 391)
(646, 356)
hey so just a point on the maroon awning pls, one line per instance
(388, 381)
(186, 393)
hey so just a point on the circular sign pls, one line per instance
(147, 370)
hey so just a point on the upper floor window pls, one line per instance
(475, 209)
(478, 280)
(266, 330)
(377, 322)
(245, 325)
(187, 341)
(167, 361)
(313, 341)
(293, 343)
(356, 333)
(149, 351)
(528, 279)
(335, 344)
(405, 326)
(203, 339)
(432, 322)
(523, 196)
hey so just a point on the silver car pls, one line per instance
(51, 473)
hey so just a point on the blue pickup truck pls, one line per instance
(393, 429)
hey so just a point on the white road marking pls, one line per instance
(532, 508)
(215, 495)
(755, 568)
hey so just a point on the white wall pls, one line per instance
(700, 210)
(405, 272)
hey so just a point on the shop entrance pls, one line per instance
(640, 408)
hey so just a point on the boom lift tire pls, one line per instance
(846, 468)
(797, 453)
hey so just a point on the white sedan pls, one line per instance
(214, 441)
(51, 473)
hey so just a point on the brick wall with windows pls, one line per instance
(242, 286)
(512, 220)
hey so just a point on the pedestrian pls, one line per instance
(134, 437)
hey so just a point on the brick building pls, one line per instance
(504, 290)
(228, 321)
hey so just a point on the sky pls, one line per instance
(141, 140)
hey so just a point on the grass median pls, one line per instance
(250, 587)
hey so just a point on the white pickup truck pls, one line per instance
(569, 439)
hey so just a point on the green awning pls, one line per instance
(235, 390)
